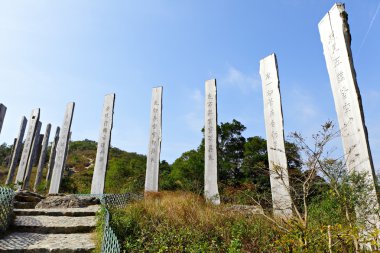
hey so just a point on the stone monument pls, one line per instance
(34, 119)
(52, 155)
(16, 151)
(104, 141)
(41, 161)
(336, 40)
(3, 110)
(154, 147)
(33, 156)
(59, 163)
(211, 191)
(278, 165)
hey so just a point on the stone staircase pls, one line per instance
(51, 229)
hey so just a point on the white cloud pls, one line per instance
(304, 105)
(244, 82)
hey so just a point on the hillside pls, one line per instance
(126, 171)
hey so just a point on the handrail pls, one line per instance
(6, 207)
(110, 243)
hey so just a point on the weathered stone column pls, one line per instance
(34, 119)
(41, 162)
(211, 138)
(12, 150)
(278, 165)
(59, 163)
(67, 152)
(336, 39)
(3, 110)
(33, 156)
(154, 146)
(101, 161)
(16, 151)
(52, 155)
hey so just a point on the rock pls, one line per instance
(68, 201)
(245, 209)
(27, 196)
(24, 205)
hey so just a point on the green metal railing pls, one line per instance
(6, 207)
(110, 243)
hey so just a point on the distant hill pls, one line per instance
(125, 173)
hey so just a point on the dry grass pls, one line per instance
(184, 222)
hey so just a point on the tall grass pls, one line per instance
(183, 222)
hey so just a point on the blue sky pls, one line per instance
(54, 52)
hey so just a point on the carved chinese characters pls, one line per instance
(59, 163)
(336, 40)
(278, 166)
(154, 147)
(211, 192)
(98, 179)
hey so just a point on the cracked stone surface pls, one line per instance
(67, 201)
(34, 242)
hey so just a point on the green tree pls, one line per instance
(187, 172)
(231, 152)
(5, 154)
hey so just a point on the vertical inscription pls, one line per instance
(154, 146)
(336, 41)
(278, 167)
(211, 160)
(34, 118)
(98, 179)
(3, 110)
(59, 163)
(16, 151)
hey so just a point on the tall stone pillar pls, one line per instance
(336, 40)
(41, 162)
(12, 150)
(278, 165)
(104, 141)
(3, 110)
(211, 191)
(33, 121)
(154, 147)
(33, 156)
(59, 163)
(67, 152)
(16, 151)
(52, 155)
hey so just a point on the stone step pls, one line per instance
(41, 243)
(76, 212)
(54, 224)
(24, 205)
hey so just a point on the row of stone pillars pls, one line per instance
(26, 154)
(336, 40)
